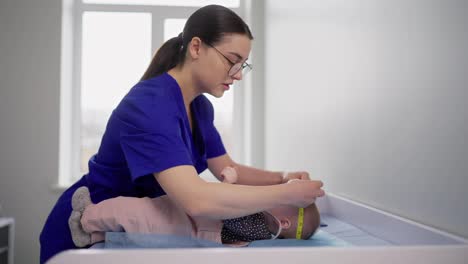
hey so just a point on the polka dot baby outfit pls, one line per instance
(248, 228)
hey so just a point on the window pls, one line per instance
(115, 50)
(198, 3)
(111, 46)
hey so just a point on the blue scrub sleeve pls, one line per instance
(213, 142)
(149, 152)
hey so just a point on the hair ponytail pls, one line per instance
(209, 23)
(166, 58)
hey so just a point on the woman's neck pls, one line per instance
(185, 82)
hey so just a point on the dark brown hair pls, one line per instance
(209, 23)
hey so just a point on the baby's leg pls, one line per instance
(89, 222)
(128, 214)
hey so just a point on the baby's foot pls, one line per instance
(81, 199)
(79, 236)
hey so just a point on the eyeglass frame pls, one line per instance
(241, 68)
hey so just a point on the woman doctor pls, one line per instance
(161, 136)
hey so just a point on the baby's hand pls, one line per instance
(300, 175)
(293, 180)
(229, 175)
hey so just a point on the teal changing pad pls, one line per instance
(332, 233)
(132, 240)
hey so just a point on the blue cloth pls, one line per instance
(148, 132)
(129, 240)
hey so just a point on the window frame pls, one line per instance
(70, 97)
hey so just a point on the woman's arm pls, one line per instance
(246, 175)
(223, 201)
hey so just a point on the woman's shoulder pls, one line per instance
(159, 92)
(148, 103)
(157, 87)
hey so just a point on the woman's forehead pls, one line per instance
(236, 44)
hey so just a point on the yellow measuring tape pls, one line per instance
(300, 223)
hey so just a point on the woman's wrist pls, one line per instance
(283, 176)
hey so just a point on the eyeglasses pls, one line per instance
(235, 67)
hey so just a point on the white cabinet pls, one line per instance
(7, 231)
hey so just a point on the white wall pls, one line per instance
(29, 103)
(370, 96)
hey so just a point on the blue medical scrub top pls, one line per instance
(148, 132)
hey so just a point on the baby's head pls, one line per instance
(288, 217)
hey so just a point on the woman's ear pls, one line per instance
(194, 47)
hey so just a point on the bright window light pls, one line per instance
(116, 49)
(226, 3)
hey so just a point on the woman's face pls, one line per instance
(211, 69)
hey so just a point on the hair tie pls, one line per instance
(181, 39)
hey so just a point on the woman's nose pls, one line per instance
(238, 76)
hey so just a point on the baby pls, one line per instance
(89, 222)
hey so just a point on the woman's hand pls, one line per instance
(299, 175)
(304, 192)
